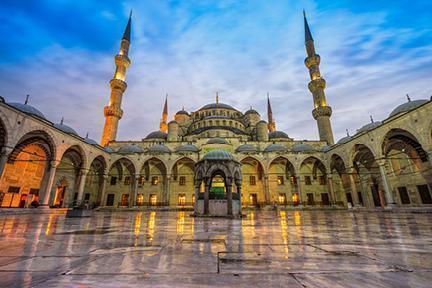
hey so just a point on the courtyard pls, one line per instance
(172, 249)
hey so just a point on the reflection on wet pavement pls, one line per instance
(172, 249)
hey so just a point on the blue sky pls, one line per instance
(61, 53)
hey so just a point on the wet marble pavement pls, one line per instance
(172, 249)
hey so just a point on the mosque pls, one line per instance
(216, 152)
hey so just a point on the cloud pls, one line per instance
(243, 50)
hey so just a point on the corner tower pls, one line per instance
(113, 111)
(321, 111)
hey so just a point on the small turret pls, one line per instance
(173, 131)
(262, 131)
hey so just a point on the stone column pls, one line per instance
(229, 198)
(81, 185)
(3, 159)
(331, 189)
(197, 191)
(206, 198)
(167, 189)
(387, 188)
(134, 191)
(48, 183)
(353, 188)
(298, 179)
(102, 190)
(266, 189)
(240, 197)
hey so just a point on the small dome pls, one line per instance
(246, 148)
(302, 148)
(278, 134)
(108, 150)
(275, 148)
(90, 141)
(408, 106)
(182, 112)
(28, 109)
(344, 140)
(65, 128)
(130, 148)
(156, 135)
(251, 111)
(325, 148)
(187, 148)
(217, 141)
(369, 126)
(159, 149)
(217, 106)
(218, 155)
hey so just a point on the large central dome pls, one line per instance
(217, 106)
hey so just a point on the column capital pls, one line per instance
(83, 172)
(329, 176)
(382, 162)
(53, 163)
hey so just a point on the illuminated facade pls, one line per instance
(386, 163)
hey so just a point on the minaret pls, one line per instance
(113, 111)
(271, 121)
(321, 112)
(163, 126)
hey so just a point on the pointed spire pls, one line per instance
(269, 109)
(27, 99)
(127, 32)
(165, 110)
(371, 118)
(308, 34)
(217, 97)
(62, 120)
(408, 97)
(347, 133)
(87, 135)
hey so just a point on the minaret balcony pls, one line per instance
(313, 60)
(317, 84)
(113, 111)
(118, 84)
(322, 111)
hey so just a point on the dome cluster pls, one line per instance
(278, 135)
(156, 135)
(217, 141)
(245, 148)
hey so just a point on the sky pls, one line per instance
(61, 53)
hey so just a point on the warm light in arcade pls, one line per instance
(295, 199)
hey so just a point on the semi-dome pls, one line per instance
(275, 148)
(344, 140)
(90, 141)
(187, 148)
(325, 148)
(408, 106)
(65, 128)
(156, 135)
(301, 147)
(130, 149)
(246, 148)
(182, 112)
(28, 109)
(218, 155)
(159, 149)
(251, 111)
(217, 106)
(108, 150)
(217, 141)
(369, 126)
(278, 135)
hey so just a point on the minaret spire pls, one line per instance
(163, 126)
(113, 112)
(271, 121)
(321, 112)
